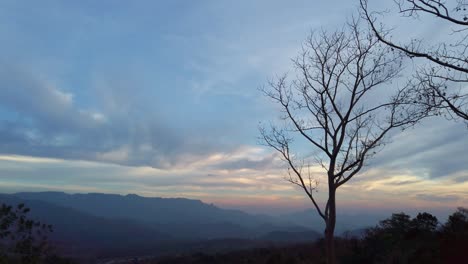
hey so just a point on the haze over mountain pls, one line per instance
(98, 222)
(192, 219)
(182, 218)
(80, 232)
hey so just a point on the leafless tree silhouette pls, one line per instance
(443, 83)
(334, 105)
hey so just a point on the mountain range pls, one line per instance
(102, 223)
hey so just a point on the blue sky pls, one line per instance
(161, 98)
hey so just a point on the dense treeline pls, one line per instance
(422, 239)
(398, 239)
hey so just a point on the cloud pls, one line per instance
(438, 198)
(270, 161)
(27, 93)
(237, 188)
(39, 118)
(121, 179)
(117, 104)
(435, 148)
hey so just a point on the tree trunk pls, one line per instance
(330, 229)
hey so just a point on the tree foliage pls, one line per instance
(400, 239)
(24, 240)
(397, 239)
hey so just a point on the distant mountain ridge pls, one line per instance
(346, 223)
(138, 224)
(153, 209)
(291, 236)
(80, 232)
(182, 218)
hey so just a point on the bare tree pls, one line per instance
(333, 105)
(442, 84)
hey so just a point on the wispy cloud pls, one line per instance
(160, 98)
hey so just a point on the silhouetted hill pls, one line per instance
(157, 210)
(345, 222)
(76, 231)
(183, 219)
(285, 236)
(355, 233)
(115, 225)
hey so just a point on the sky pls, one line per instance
(161, 98)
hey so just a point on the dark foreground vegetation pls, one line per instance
(398, 239)
(24, 240)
